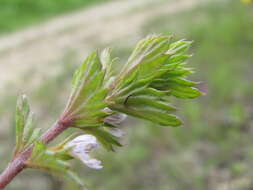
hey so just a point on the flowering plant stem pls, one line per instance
(154, 72)
(19, 163)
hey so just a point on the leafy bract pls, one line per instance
(90, 88)
(54, 162)
(154, 71)
(87, 104)
(26, 133)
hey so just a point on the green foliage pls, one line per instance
(86, 102)
(29, 12)
(26, 134)
(53, 161)
(155, 70)
(86, 105)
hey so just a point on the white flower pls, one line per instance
(116, 132)
(81, 147)
(116, 118)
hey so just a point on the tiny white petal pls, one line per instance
(81, 147)
(117, 132)
(116, 118)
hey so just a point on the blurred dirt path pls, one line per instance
(37, 47)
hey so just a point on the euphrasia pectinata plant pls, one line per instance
(100, 99)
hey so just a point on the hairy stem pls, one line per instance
(19, 163)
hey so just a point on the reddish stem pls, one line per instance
(19, 163)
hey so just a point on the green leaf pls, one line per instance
(182, 82)
(145, 101)
(83, 76)
(88, 90)
(26, 134)
(22, 113)
(87, 101)
(185, 92)
(107, 63)
(151, 114)
(131, 89)
(179, 47)
(52, 162)
(32, 136)
(104, 137)
(152, 92)
(179, 72)
(38, 150)
(147, 57)
(179, 58)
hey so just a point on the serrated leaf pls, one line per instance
(82, 77)
(182, 82)
(26, 134)
(107, 63)
(88, 90)
(129, 80)
(185, 92)
(87, 102)
(147, 57)
(179, 58)
(22, 113)
(28, 129)
(179, 72)
(145, 101)
(133, 88)
(152, 92)
(93, 103)
(179, 47)
(153, 115)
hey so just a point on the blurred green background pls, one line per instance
(214, 148)
(16, 14)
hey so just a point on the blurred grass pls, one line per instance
(16, 14)
(214, 149)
